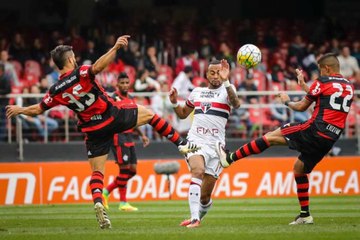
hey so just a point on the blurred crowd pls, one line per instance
(169, 53)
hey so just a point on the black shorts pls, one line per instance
(304, 138)
(98, 142)
(124, 149)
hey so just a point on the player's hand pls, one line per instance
(283, 97)
(122, 41)
(225, 70)
(145, 140)
(12, 111)
(300, 77)
(173, 95)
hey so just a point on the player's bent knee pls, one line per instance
(144, 115)
(275, 138)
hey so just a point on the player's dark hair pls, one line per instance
(123, 75)
(60, 55)
(329, 59)
(214, 62)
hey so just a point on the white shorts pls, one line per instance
(212, 162)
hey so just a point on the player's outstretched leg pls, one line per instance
(254, 147)
(96, 186)
(302, 184)
(166, 130)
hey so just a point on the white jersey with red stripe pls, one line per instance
(212, 110)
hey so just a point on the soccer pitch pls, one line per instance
(335, 218)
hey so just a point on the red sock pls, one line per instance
(112, 186)
(96, 186)
(166, 130)
(121, 181)
(254, 147)
(302, 184)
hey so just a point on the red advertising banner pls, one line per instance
(68, 182)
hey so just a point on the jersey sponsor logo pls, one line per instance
(205, 106)
(209, 94)
(333, 129)
(83, 73)
(207, 131)
(67, 81)
(316, 90)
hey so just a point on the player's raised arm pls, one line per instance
(181, 111)
(14, 110)
(108, 57)
(224, 75)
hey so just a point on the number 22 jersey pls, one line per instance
(333, 96)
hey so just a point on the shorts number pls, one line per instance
(81, 107)
(335, 95)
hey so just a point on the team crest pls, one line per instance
(205, 106)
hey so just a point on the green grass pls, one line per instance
(335, 218)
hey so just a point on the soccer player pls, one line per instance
(333, 95)
(123, 149)
(212, 106)
(99, 116)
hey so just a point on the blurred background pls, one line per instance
(172, 42)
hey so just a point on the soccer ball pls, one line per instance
(248, 56)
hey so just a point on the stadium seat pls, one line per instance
(30, 79)
(32, 68)
(166, 70)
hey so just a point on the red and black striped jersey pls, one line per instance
(333, 96)
(78, 91)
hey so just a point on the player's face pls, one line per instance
(213, 75)
(123, 85)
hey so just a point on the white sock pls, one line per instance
(194, 197)
(203, 209)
